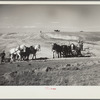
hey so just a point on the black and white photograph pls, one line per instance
(49, 45)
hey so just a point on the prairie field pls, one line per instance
(45, 70)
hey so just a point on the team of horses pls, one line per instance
(67, 50)
(23, 52)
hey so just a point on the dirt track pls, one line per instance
(64, 71)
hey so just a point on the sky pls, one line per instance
(49, 17)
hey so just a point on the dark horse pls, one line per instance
(64, 50)
(25, 53)
(57, 49)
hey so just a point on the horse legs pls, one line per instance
(71, 53)
(22, 57)
(18, 57)
(11, 58)
(35, 55)
(58, 55)
(53, 54)
(80, 53)
(32, 56)
(14, 57)
(27, 57)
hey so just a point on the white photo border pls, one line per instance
(41, 92)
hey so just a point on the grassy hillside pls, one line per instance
(63, 72)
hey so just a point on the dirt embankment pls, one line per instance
(62, 72)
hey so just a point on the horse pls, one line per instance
(14, 54)
(21, 48)
(73, 49)
(34, 50)
(64, 50)
(56, 49)
(69, 50)
(25, 53)
(30, 50)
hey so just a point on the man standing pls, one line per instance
(2, 55)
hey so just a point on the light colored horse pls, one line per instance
(34, 50)
(14, 54)
(37, 47)
(20, 48)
